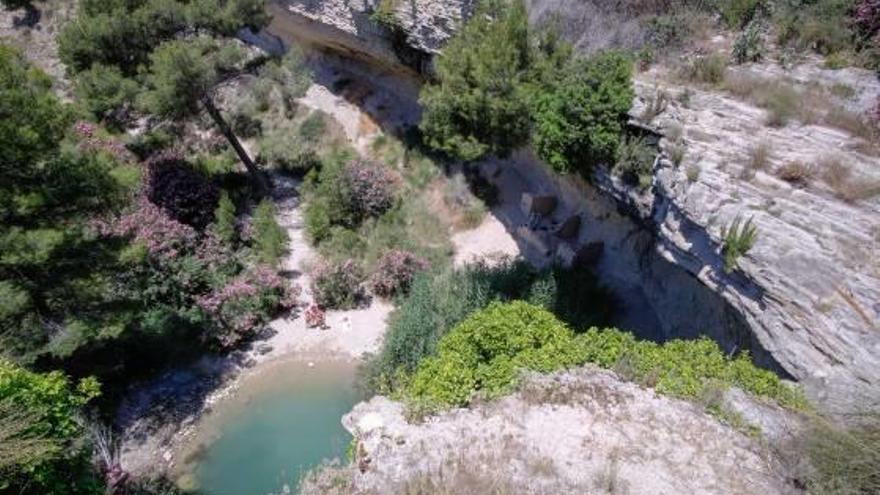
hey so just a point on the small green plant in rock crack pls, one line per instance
(739, 238)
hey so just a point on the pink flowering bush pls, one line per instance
(338, 285)
(246, 303)
(91, 139)
(315, 316)
(370, 188)
(395, 271)
(148, 224)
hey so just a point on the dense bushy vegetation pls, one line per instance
(123, 33)
(479, 105)
(440, 300)
(118, 260)
(361, 210)
(41, 435)
(499, 84)
(484, 354)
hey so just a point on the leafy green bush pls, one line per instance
(738, 13)
(477, 105)
(484, 354)
(438, 301)
(578, 122)
(346, 193)
(224, 220)
(269, 238)
(311, 129)
(42, 435)
(281, 148)
(122, 34)
(822, 26)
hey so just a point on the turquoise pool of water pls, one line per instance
(283, 421)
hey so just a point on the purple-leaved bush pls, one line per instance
(867, 17)
(185, 194)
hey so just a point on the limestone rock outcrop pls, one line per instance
(810, 287)
(412, 32)
(583, 431)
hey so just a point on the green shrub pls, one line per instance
(269, 238)
(635, 162)
(738, 238)
(385, 14)
(667, 30)
(484, 354)
(280, 148)
(43, 448)
(313, 127)
(749, 45)
(106, 93)
(738, 13)
(224, 220)
(438, 301)
(822, 26)
(782, 104)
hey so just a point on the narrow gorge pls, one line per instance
(662, 247)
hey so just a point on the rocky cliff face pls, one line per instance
(408, 34)
(583, 431)
(809, 289)
(804, 300)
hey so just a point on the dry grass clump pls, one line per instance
(852, 123)
(827, 458)
(710, 69)
(844, 184)
(655, 104)
(781, 100)
(759, 156)
(759, 159)
(796, 173)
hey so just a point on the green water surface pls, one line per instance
(283, 423)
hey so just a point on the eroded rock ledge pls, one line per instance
(582, 431)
